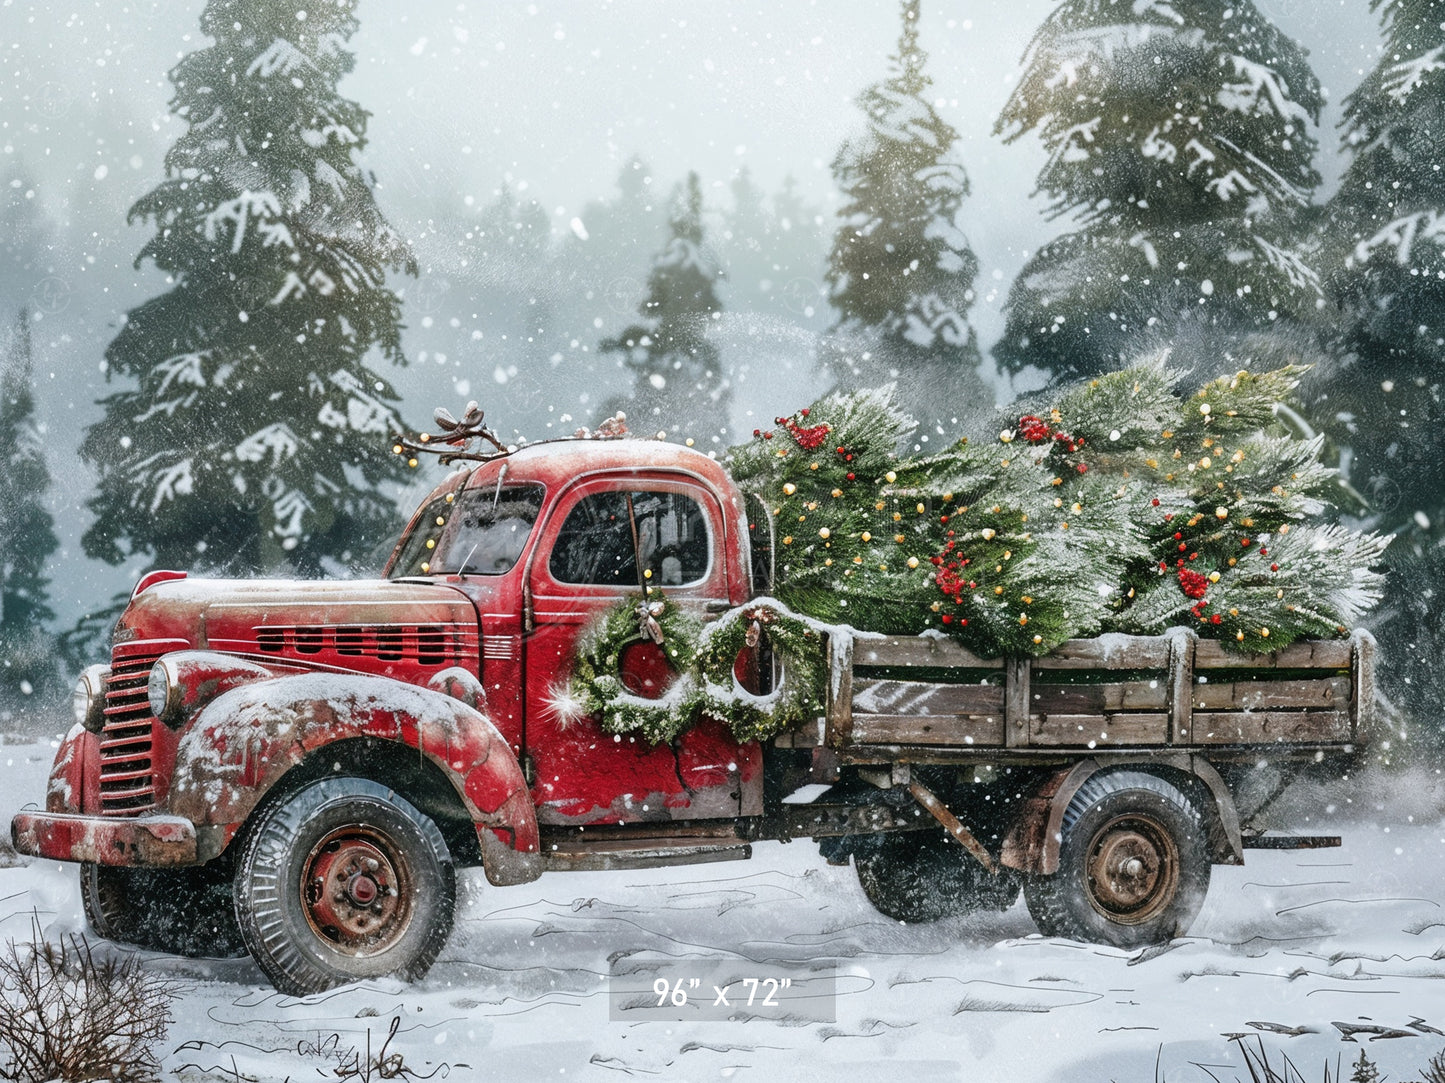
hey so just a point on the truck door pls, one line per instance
(602, 540)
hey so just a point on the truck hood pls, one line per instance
(375, 626)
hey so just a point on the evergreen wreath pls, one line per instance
(800, 693)
(704, 660)
(596, 685)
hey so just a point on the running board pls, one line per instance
(643, 853)
(1290, 842)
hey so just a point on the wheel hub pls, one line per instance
(1133, 870)
(356, 891)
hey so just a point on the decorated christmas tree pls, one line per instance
(1118, 505)
(1180, 143)
(253, 434)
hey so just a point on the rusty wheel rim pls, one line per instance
(1132, 869)
(356, 891)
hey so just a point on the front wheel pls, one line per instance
(1133, 864)
(185, 911)
(344, 880)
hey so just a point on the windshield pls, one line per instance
(478, 531)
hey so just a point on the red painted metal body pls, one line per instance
(465, 669)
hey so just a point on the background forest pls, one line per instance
(229, 272)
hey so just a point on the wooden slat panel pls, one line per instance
(1304, 654)
(1181, 679)
(955, 731)
(1268, 727)
(1016, 703)
(1106, 731)
(1272, 695)
(840, 691)
(918, 651)
(1108, 652)
(920, 698)
(1362, 672)
(1148, 695)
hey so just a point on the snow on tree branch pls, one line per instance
(1401, 235)
(1404, 78)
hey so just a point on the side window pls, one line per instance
(596, 542)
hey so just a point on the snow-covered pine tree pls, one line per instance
(1385, 257)
(1181, 147)
(678, 382)
(901, 272)
(256, 436)
(27, 531)
(1383, 242)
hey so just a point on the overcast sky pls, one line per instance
(549, 97)
(556, 96)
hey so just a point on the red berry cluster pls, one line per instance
(1192, 583)
(951, 579)
(1036, 431)
(809, 439)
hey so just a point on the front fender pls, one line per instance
(69, 783)
(242, 743)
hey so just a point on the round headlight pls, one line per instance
(163, 691)
(87, 702)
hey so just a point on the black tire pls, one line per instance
(340, 881)
(1133, 864)
(922, 876)
(180, 911)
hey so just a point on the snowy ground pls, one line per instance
(1297, 948)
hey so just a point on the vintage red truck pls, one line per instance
(296, 769)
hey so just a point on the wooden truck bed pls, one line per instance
(927, 699)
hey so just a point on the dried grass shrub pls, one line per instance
(65, 1015)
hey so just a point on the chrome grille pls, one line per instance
(127, 785)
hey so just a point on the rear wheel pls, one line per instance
(922, 876)
(344, 880)
(1133, 864)
(184, 911)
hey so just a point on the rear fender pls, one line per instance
(244, 742)
(1033, 841)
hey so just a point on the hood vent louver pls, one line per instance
(427, 645)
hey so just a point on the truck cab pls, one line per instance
(232, 714)
(540, 543)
